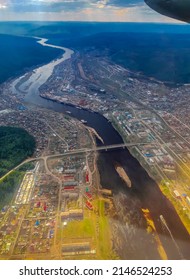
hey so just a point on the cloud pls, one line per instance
(81, 10)
(126, 3)
(44, 5)
(64, 5)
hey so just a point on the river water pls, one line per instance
(128, 221)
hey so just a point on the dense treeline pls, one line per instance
(8, 186)
(15, 146)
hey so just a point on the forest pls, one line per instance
(15, 146)
(8, 186)
(20, 54)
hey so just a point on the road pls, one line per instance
(73, 152)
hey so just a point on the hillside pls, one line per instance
(165, 57)
(19, 54)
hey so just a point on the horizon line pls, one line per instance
(89, 21)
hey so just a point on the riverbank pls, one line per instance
(179, 209)
(144, 192)
(21, 54)
(163, 188)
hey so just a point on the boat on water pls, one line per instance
(83, 121)
(68, 112)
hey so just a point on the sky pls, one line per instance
(79, 10)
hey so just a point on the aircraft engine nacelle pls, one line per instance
(178, 9)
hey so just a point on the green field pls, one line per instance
(95, 228)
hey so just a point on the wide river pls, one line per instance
(128, 222)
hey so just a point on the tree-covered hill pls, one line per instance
(20, 54)
(164, 56)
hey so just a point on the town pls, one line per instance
(143, 111)
(62, 191)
